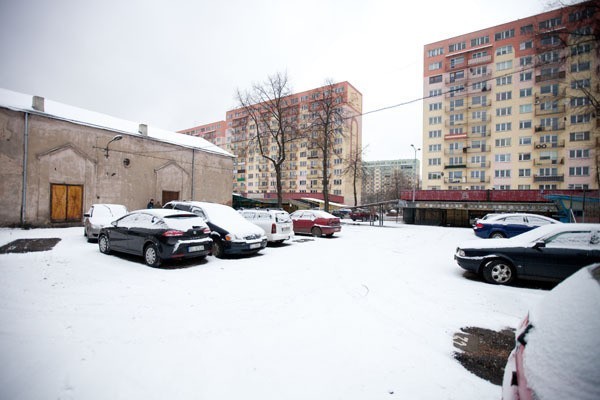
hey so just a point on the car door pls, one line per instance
(143, 226)
(303, 222)
(515, 225)
(119, 234)
(566, 252)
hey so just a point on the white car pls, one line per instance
(99, 216)
(277, 224)
(231, 233)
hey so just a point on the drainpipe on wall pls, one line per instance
(25, 151)
(193, 161)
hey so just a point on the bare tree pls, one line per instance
(327, 119)
(354, 168)
(274, 122)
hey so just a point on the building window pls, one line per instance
(434, 66)
(504, 80)
(525, 124)
(503, 96)
(525, 109)
(435, 120)
(525, 92)
(524, 140)
(435, 52)
(579, 153)
(457, 46)
(525, 76)
(524, 172)
(524, 156)
(502, 173)
(508, 49)
(505, 142)
(504, 35)
(480, 41)
(526, 45)
(504, 65)
(434, 161)
(504, 111)
(503, 127)
(435, 79)
(580, 119)
(579, 171)
(579, 136)
(502, 158)
(435, 134)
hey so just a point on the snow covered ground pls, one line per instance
(367, 314)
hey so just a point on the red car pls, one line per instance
(557, 350)
(315, 222)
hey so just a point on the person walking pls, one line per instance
(150, 204)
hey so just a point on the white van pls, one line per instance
(277, 224)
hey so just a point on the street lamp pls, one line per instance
(414, 172)
(117, 137)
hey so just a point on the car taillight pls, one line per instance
(172, 233)
(206, 230)
(479, 225)
(273, 228)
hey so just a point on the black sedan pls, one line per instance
(157, 235)
(551, 252)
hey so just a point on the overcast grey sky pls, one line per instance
(177, 64)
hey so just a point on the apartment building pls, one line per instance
(302, 172)
(512, 106)
(385, 179)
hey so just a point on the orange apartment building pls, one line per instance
(254, 176)
(506, 107)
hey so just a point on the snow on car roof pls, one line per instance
(170, 218)
(23, 102)
(563, 347)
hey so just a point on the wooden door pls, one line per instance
(169, 196)
(66, 203)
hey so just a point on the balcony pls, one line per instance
(556, 110)
(550, 77)
(550, 128)
(485, 104)
(479, 60)
(548, 161)
(479, 165)
(455, 166)
(548, 178)
(480, 149)
(552, 145)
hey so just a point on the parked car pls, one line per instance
(315, 222)
(509, 225)
(277, 224)
(231, 233)
(363, 215)
(157, 235)
(557, 345)
(99, 216)
(551, 252)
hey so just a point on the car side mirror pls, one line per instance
(86, 215)
(114, 223)
(539, 245)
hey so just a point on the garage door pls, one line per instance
(66, 203)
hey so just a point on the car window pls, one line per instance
(579, 239)
(248, 214)
(514, 219)
(282, 217)
(538, 221)
(263, 216)
(199, 212)
(128, 221)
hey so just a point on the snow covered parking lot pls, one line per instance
(368, 314)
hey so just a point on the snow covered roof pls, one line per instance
(24, 102)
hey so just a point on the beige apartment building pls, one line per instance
(512, 106)
(386, 179)
(302, 172)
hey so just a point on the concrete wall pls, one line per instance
(137, 168)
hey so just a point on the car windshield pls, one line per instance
(108, 211)
(184, 222)
(282, 217)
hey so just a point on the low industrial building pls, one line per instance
(57, 160)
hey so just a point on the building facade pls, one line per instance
(512, 106)
(57, 160)
(302, 170)
(386, 179)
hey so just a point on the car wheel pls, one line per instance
(104, 244)
(151, 256)
(217, 249)
(499, 272)
(497, 235)
(316, 231)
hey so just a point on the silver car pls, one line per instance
(99, 216)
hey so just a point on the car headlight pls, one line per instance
(460, 252)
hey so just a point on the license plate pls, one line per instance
(285, 229)
(255, 245)
(195, 248)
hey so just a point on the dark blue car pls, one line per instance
(509, 225)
